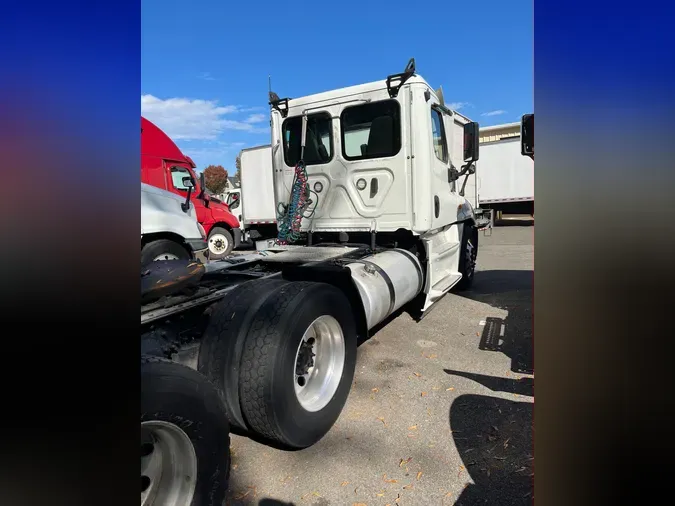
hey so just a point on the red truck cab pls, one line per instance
(164, 165)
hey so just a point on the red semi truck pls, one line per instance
(164, 165)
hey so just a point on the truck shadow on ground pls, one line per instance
(494, 439)
(512, 291)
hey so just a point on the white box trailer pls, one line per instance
(505, 177)
(258, 217)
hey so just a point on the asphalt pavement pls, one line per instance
(440, 411)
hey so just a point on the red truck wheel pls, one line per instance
(220, 243)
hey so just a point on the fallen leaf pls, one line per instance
(384, 477)
(235, 466)
(433, 355)
(402, 462)
(382, 420)
(435, 388)
(412, 427)
(449, 389)
(398, 498)
(380, 494)
(423, 394)
(344, 483)
(241, 495)
(417, 374)
(408, 487)
(419, 475)
(448, 494)
(375, 390)
(477, 334)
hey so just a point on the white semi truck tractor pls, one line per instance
(369, 186)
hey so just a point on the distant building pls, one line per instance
(498, 132)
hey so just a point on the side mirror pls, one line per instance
(471, 142)
(527, 135)
(189, 184)
(234, 204)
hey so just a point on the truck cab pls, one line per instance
(164, 166)
(383, 162)
(169, 228)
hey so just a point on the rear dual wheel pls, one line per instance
(185, 443)
(295, 355)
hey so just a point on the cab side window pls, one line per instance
(438, 133)
(177, 175)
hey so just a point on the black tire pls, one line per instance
(223, 340)
(467, 256)
(178, 395)
(266, 382)
(214, 252)
(160, 247)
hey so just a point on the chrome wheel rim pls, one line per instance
(168, 465)
(319, 362)
(165, 256)
(218, 244)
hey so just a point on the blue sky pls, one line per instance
(205, 63)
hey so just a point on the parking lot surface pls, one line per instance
(440, 411)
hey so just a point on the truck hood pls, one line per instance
(146, 188)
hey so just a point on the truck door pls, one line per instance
(444, 206)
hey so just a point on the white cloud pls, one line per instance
(494, 113)
(214, 154)
(456, 106)
(251, 109)
(256, 118)
(187, 119)
(206, 76)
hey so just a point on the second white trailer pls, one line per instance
(505, 177)
(256, 197)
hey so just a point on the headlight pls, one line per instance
(201, 230)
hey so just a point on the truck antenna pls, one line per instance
(269, 83)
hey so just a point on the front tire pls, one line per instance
(298, 363)
(221, 243)
(185, 443)
(467, 256)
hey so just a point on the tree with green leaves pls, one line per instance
(215, 178)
